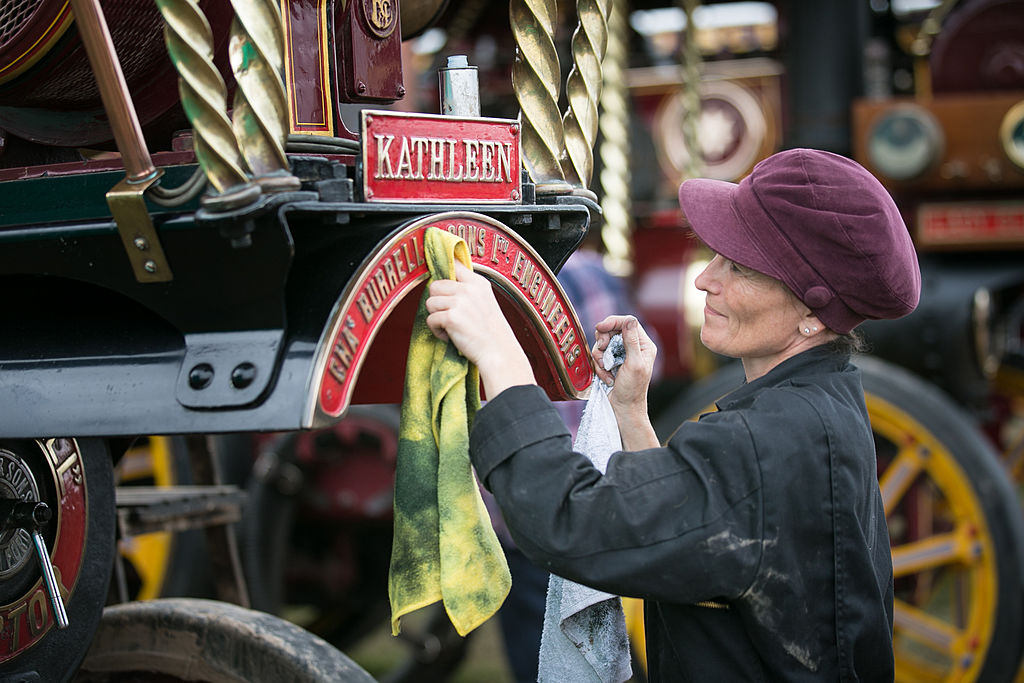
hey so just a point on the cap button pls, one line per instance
(818, 296)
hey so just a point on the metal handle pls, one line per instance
(50, 580)
(31, 516)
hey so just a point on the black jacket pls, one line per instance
(756, 536)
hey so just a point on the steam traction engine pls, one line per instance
(175, 264)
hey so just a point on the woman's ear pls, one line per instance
(810, 325)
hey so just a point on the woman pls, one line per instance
(756, 535)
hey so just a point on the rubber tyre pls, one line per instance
(56, 655)
(981, 485)
(194, 639)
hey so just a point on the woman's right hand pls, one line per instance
(465, 312)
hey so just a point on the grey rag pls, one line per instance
(584, 636)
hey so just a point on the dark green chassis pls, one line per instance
(86, 350)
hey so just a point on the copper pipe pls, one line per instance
(117, 101)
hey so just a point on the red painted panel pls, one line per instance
(369, 50)
(307, 66)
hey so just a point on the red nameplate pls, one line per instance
(967, 224)
(425, 158)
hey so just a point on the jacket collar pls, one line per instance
(820, 359)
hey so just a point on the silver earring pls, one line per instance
(807, 330)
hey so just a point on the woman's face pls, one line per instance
(749, 315)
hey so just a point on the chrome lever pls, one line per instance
(33, 516)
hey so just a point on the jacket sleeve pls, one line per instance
(680, 523)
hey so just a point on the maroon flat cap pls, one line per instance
(821, 224)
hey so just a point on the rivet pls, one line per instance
(515, 194)
(400, 90)
(141, 244)
(243, 375)
(360, 87)
(149, 266)
(200, 376)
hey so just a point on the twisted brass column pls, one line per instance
(260, 112)
(614, 150)
(691, 95)
(583, 90)
(204, 98)
(536, 80)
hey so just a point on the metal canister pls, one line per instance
(459, 87)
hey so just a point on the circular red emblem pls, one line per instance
(26, 620)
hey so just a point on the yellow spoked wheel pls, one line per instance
(955, 530)
(944, 559)
(147, 463)
(954, 524)
(633, 610)
(163, 563)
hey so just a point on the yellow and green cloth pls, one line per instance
(444, 547)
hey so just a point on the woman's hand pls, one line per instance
(465, 312)
(632, 380)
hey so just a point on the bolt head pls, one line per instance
(41, 513)
(200, 376)
(243, 375)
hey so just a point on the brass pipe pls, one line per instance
(117, 101)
